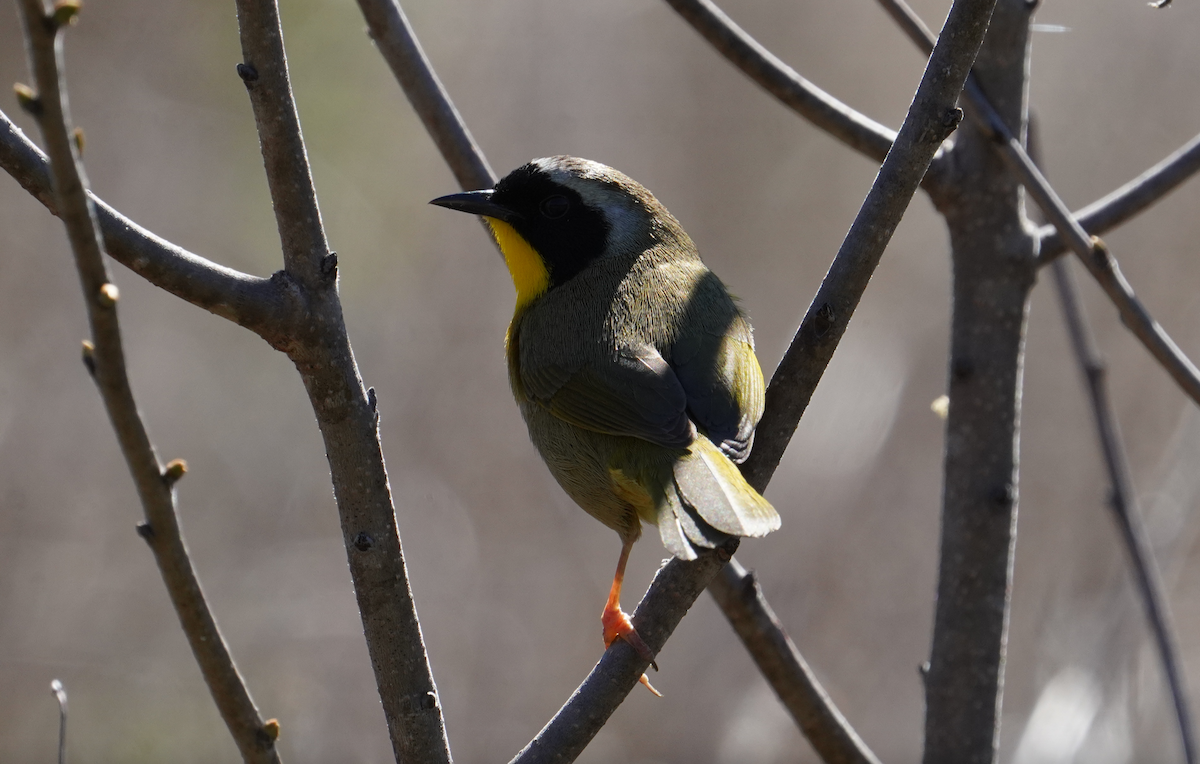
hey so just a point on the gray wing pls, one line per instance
(636, 394)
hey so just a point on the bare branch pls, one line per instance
(393, 35)
(256, 303)
(345, 412)
(60, 696)
(856, 130)
(1128, 200)
(264, 72)
(1123, 501)
(744, 604)
(671, 593)
(1091, 252)
(106, 361)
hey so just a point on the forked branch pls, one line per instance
(105, 360)
(258, 304)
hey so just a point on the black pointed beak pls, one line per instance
(477, 203)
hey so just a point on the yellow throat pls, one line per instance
(528, 270)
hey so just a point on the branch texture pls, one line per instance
(105, 359)
(345, 412)
(993, 255)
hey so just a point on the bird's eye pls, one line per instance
(555, 206)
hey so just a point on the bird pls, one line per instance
(631, 363)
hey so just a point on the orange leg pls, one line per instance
(617, 624)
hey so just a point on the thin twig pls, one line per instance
(258, 304)
(345, 413)
(1091, 251)
(1123, 501)
(398, 44)
(1123, 496)
(105, 360)
(741, 599)
(60, 696)
(856, 130)
(1128, 200)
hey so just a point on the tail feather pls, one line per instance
(711, 485)
(707, 500)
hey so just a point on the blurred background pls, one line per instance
(509, 576)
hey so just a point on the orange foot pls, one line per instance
(618, 626)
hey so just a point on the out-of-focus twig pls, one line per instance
(105, 360)
(258, 304)
(1123, 501)
(1091, 251)
(741, 599)
(60, 697)
(856, 130)
(399, 47)
(346, 414)
(1127, 201)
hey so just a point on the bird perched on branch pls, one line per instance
(633, 367)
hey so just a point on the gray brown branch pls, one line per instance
(106, 361)
(993, 254)
(1123, 502)
(345, 413)
(744, 604)
(258, 304)
(1127, 201)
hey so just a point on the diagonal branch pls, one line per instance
(1123, 501)
(105, 359)
(852, 128)
(345, 410)
(1091, 251)
(743, 602)
(255, 303)
(1128, 200)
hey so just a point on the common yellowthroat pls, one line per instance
(633, 367)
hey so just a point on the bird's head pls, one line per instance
(553, 217)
